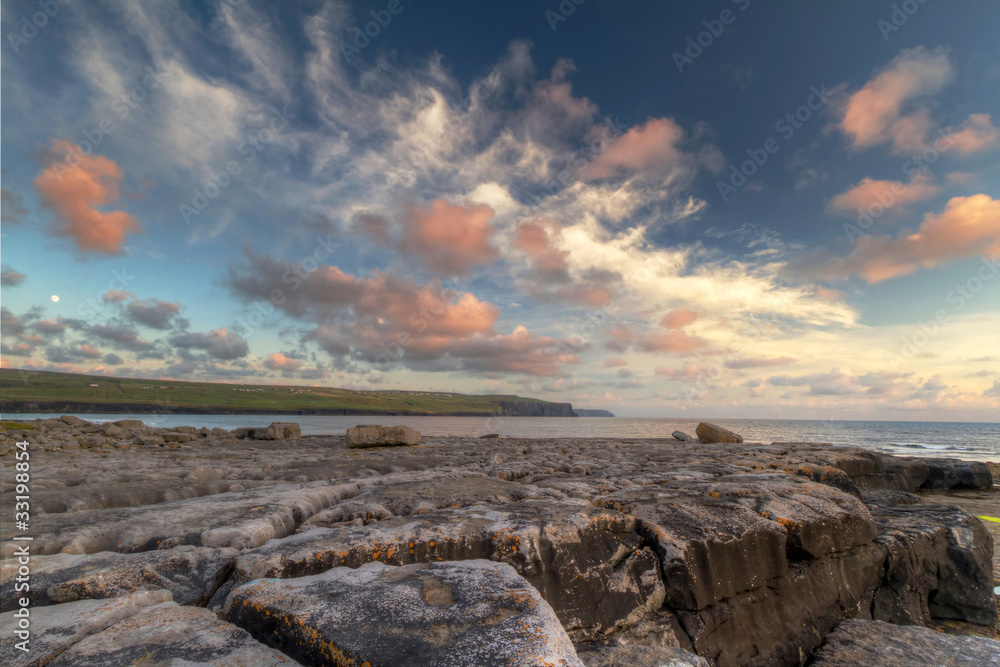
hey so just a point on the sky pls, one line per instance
(731, 208)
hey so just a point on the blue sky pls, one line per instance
(733, 209)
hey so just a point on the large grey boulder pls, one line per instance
(381, 436)
(52, 630)
(709, 433)
(475, 612)
(191, 574)
(587, 562)
(169, 634)
(876, 643)
(939, 565)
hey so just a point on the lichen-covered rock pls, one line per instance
(169, 634)
(381, 436)
(586, 562)
(876, 643)
(709, 433)
(52, 630)
(476, 613)
(939, 565)
(191, 574)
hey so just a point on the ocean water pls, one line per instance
(969, 441)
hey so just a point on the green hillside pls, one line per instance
(43, 391)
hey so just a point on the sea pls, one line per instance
(968, 441)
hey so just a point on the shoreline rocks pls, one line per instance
(641, 551)
(381, 436)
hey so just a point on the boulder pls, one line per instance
(276, 431)
(130, 424)
(954, 474)
(55, 629)
(186, 429)
(190, 574)
(381, 436)
(178, 437)
(709, 433)
(70, 420)
(203, 474)
(939, 565)
(169, 634)
(221, 433)
(445, 613)
(91, 441)
(113, 431)
(861, 642)
(681, 435)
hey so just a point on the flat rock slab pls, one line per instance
(476, 613)
(242, 519)
(54, 629)
(381, 436)
(191, 574)
(939, 565)
(586, 561)
(640, 656)
(875, 643)
(169, 634)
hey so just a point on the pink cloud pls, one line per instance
(447, 237)
(678, 319)
(534, 238)
(649, 147)
(74, 185)
(688, 371)
(670, 341)
(873, 115)
(759, 362)
(276, 361)
(613, 362)
(967, 227)
(976, 134)
(117, 296)
(888, 194)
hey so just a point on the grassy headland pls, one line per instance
(43, 391)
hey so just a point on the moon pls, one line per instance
(54, 298)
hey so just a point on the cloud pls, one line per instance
(12, 210)
(874, 114)
(74, 185)
(449, 238)
(276, 361)
(976, 134)
(112, 359)
(11, 278)
(888, 194)
(50, 327)
(687, 371)
(759, 362)
(121, 335)
(613, 362)
(10, 324)
(670, 341)
(153, 312)
(218, 343)
(993, 391)
(967, 227)
(651, 149)
(678, 319)
(117, 296)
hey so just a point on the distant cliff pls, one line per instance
(533, 409)
(580, 412)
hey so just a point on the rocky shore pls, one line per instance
(262, 547)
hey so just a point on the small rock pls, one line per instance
(113, 431)
(381, 436)
(221, 433)
(490, 436)
(440, 613)
(681, 435)
(185, 429)
(178, 437)
(876, 643)
(72, 445)
(709, 433)
(73, 421)
(203, 474)
(152, 441)
(91, 441)
(130, 424)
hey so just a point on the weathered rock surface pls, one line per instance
(640, 656)
(474, 612)
(709, 433)
(857, 643)
(169, 634)
(52, 630)
(939, 565)
(381, 436)
(191, 574)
